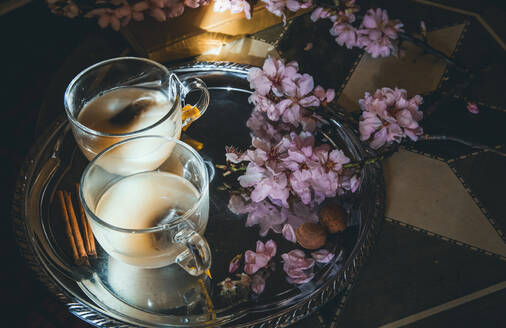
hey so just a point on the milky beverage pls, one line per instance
(146, 200)
(124, 110)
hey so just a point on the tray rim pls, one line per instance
(87, 313)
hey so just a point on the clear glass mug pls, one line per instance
(126, 97)
(149, 217)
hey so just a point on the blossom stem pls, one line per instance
(360, 164)
(425, 46)
(427, 137)
(237, 169)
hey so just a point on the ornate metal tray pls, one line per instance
(106, 294)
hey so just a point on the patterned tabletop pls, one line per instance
(440, 258)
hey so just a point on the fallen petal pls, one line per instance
(289, 233)
(322, 256)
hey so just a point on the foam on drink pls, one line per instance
(105, 113)
(99, 113)
(146, 200)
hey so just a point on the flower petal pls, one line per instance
(322, 256)
(289, 233)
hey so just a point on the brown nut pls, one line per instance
(311, 235)
(334, 218)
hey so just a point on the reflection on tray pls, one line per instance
(169, 290)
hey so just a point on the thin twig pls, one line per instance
(361, 164)
(403, 36)
(464, 142)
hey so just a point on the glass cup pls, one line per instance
(149, 216)
(127, 97)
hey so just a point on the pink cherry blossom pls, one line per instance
(408, 124)
(235, 156)
(322, 256)
(106, 17)
(368, 125)
(276, 7)
(289, 102)
(266, 105)
(300, 97)
(289, 233)
(53, 5)
(221, 5)
(265, 172)
(295, 5)
(233, 267)
(330, 159)
(263, 128)
(264, 214)
(319, 13)
(269, 248)
(300, 182)
(274, 186)
(264, 153)
(238, 204)
(300, 155)
(325, 174)
(173, 8)
(66, 8)
(275, 217)
(254, 261)
(297, 266)
(279, 7)
(238, 6)
(127, 12)
(244, 280)
(472, 108)
(124, 13)
(323, 96)
(71, 10)
(298, 213)
(228, 286)
(348, 181)
(235, 6)
(258, 283)
(377, 32)
(155, 10)
(309, 120)
(196, 3)
(346, 34)
(300, 151)
(284, 166)
(423, 28)
(275, 76)
(388, 116)
(234, 263)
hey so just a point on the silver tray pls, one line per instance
(54, 162)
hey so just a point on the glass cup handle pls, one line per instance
(190, 84)
(196, 258)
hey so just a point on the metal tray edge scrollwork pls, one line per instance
(29, 186)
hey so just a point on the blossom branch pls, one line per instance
(360, 164)
(425, 137)
(403, 36)
(461, 141)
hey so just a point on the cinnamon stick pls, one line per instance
(68, 229)
(82, 221)
(88, 233)
(83, 258)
